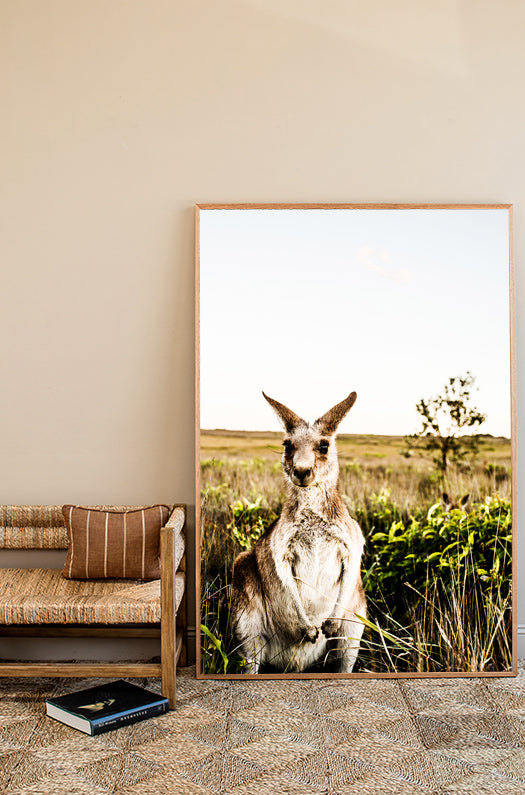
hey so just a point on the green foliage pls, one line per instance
(244, 523)
(444, 570)
(211, 463)
(217, 644)
(477, 542)
(249, 521)
(379, 512)
(238, 500)
(218, 654)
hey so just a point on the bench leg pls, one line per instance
(168, 645)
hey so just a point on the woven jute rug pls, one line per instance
(286, 736)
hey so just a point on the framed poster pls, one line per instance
(355, 441)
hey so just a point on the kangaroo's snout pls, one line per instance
(302, 476)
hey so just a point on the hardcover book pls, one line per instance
(106, 707)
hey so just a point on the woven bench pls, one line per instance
(39, 602)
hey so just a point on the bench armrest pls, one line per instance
(172, 542)
(177, 518)
(172, 548)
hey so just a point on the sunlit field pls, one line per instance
(437, 574)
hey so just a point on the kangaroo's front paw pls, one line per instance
(331, 627)
(310, 634)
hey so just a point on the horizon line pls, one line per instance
(357, 433)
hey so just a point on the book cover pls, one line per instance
(106, 707)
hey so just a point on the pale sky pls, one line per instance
(309, 305)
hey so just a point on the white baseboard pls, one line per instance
(521, 641)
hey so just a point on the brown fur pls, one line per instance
(330, 421)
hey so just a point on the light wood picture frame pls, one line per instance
(368, 540)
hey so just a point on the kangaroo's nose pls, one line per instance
(303, 475)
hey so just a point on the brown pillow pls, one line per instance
(113, 543)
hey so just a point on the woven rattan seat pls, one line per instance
(43, 596)
(40, 602)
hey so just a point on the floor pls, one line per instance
(285, 736)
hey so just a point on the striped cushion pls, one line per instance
(109, 543)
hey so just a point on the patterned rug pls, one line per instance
(266, 738)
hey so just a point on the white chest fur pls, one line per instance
(313, 552)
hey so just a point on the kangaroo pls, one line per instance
(450, 505)
(296, 593)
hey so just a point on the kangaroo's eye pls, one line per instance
(323, 447)
(288, 446)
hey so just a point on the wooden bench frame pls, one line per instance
(173, 644)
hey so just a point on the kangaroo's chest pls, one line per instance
(316, 550)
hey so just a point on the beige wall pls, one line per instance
(120, 115)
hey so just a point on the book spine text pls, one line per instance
(114, 721)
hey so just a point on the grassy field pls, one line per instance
(437, 581)
(365, 449)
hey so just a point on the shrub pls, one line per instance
(249, 521)
(448, 577)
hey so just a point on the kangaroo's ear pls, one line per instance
(289, 419)
(329, 422)
(465, 501)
